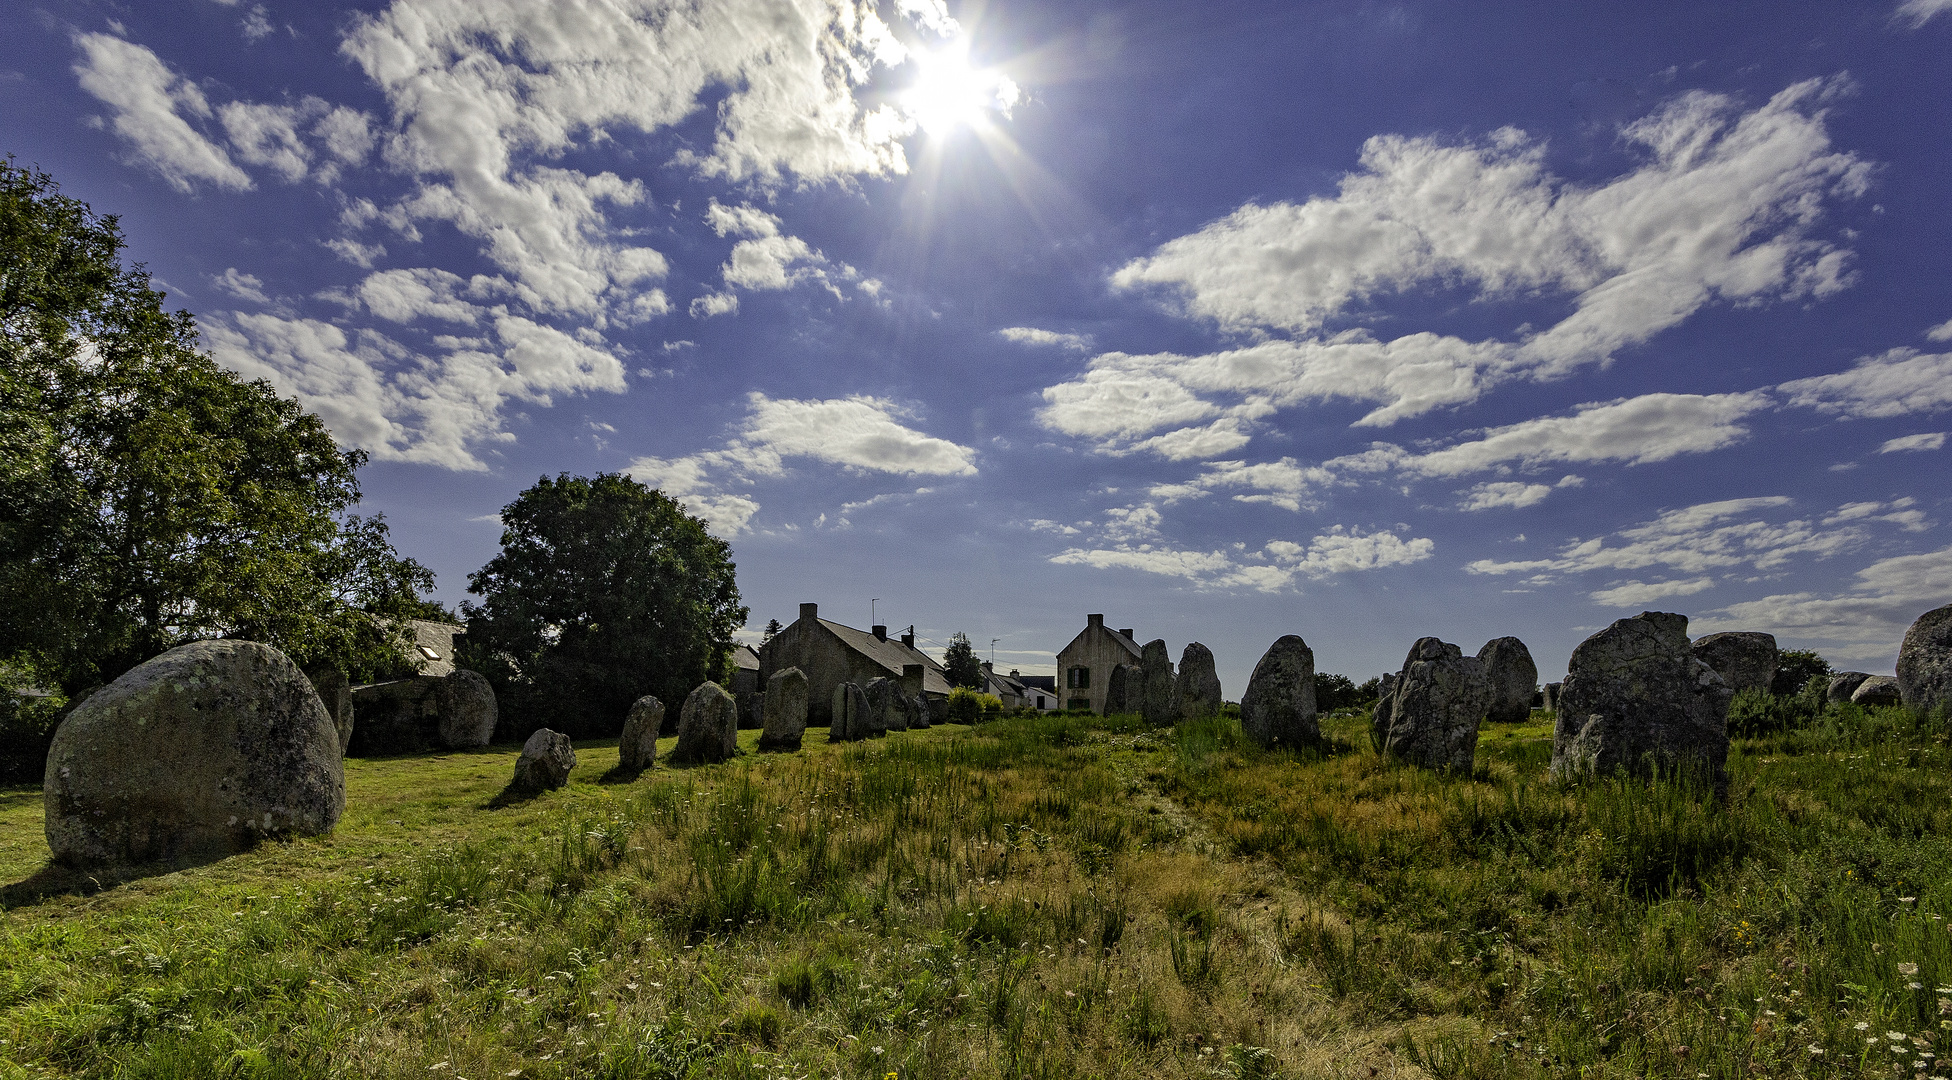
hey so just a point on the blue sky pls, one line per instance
(1361, 321)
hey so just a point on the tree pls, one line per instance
(1334, 692)
(772, 631)
(1795, 668)
(604, 591)
(149, 496)
(960, 663)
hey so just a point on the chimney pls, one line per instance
(986, 666)
(1014, 673)
(1094, 620)
(880, 633)
(1129, 634)
(908, 639)
(809, 612)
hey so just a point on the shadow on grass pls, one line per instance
(55, 879)
(515, 794)
(620, 775)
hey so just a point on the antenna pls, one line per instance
(993, 642)
(871, 619)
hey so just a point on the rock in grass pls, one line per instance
(1379, 717)
(545, 762)
(1551, 695)
(882, 695)
(637, 747)
(1879, 690)
(1637, 700)
(1198, 685)
(1843, 684)
(1745, 660)
(467, 710)
(786, 710)
(1440, 698)
(1278, 708)
(1156, 702)
(196, 754)
(1121, 690)
(1925, 661)
(850, 722)
(1514, 679)
(708, 727)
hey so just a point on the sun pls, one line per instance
(949, 93)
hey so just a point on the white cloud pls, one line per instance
(860, 432)
(767, 259)
(1931, 440)
(1920, 12)
(241, 285)
(268, 135)
(147, 100)
(1652, 427)
(1342, 551)
(1943, 331)
(356, 253)
(1128, 538)
(1030, 335)
(1900, 512)
(376, 394)
(406, 296)
(1901, 382)
(1721, 210)
(1513, 493)
(721, 303)
(1695, 539)
(1193, 565)
(1639, 594)
(257, 24)
(1867, 620)
(1223, 436)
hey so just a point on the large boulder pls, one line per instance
(1745, 660)
(1122, 690)
(786, 710)
(1879, 690)
(335, 692)
(196, 754)
(708, 727)
(850, 723)
(1638, 700)
(1379, 716)
(1278, 708)
(1156, 701)
(752, 709)
(914, 696)
(1514, 679)
(893, 711)
(1843, 684)
(881, 694)
(1440, 698)
(1925, 661)
(637, 747)
(544, 764)
(466, 704)
(1551, 695)
(1198, 686)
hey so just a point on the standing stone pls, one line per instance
(1156, 702)
(708, 727)
(1198, 686)
(881, 693)
(1843, 684)
(1925, 661)
(1121, 690)
(545, 763)
(850, 723)
(752, 709)
(466, 705)
(1379, 717)
(336, 694)
(1514, 678)
(1552, 690)
(894, 716)
(1638, 700)
(637, 748)
(195, 754)
(1879, 690)
(916, 700)
(786, 710)
(1278, 708)
(1440, 698)
(1744, 659)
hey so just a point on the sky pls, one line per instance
(1359, 321)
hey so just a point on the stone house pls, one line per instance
(829, 654)
(401, 714)
(1084, 667)
(1017, 690)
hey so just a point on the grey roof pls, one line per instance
(433, 645)
(892, 654)
(744, 656)
(1130, 645)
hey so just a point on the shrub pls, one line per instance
(966, 706)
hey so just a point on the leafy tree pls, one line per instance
(604, 591)
(960, 664)
(1795, 668)
(772, 630)
(1334, 692)
(150, 497)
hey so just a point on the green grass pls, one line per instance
(1056, 896)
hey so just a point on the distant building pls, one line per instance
(745, 670)
(829, 653)
(1018, 690)
(432, 651)
(1084, 667)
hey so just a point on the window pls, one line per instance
(1078, 678)
(429, 653)
(1080, 703)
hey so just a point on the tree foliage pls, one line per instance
(150, 497)
(604, 591)
(1334, 692)
(960, 664)
(1795, 668)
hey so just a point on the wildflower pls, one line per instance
(1907, 969)
(1815, 1050)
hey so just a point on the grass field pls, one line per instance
(1041, 897)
